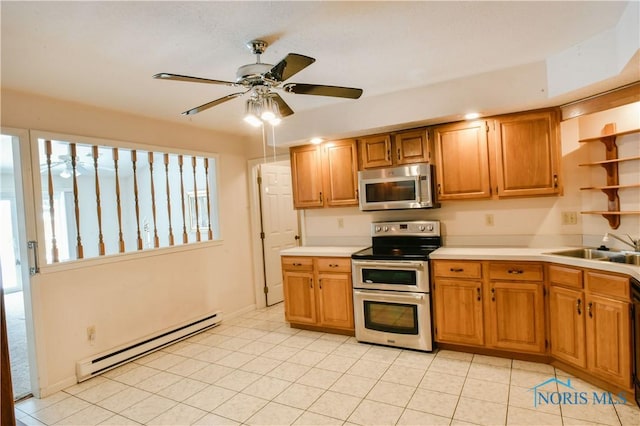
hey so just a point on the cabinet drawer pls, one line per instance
(568, 277)
(607, 285)
(516, 271)
(334, 264)
(457, 269)
(297, 263)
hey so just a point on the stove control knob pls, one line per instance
(378, 228)
(386, 229)
(429, 227)
(421, 228)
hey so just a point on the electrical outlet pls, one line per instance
(91, 333)
(569, 218)
(488, 220)
(340, 222)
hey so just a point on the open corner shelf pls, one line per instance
(608, 138)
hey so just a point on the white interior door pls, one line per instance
(279, 224)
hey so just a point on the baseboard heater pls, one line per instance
(113, 358)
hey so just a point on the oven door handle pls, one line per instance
(395, 265)
(388, 295)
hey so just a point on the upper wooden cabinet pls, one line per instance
(462, 161)
(515, 155)
(397, 149)
(527, 154)
(325, 175)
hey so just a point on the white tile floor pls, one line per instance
(255, 370)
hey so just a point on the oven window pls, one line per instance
(397, 318)
(383, 192)
(389, 276)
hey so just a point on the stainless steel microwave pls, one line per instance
(394, 188)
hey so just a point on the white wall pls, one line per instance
(532, 222)
(138, 294)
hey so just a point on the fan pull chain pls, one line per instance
(166, 174)
(119, 207)
(94, 152)
(156, 240)
(195, 192)
(52, 215)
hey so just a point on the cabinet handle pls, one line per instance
(333, 265)
(579, 306)
(388, 155)
(320, 196)
(493, 294)
(320, 283)
(456, 270)
(310, 282)
(478, 293)
(439, 189)
(398, 155)
(297, 264)
(516, 271)
(555, 181)
(589, 306)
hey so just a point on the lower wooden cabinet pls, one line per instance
(458, 311)
(501, 306)
(590, 328)
(566, 325)
(492, 304)
(516, 316)
(318, 292)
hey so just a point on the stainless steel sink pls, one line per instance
(602, 255)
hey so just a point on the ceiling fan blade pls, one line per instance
(322, 90)
(177, 77)
(292, 64)
(285, 109)
(212, 103)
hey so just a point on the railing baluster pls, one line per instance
(206, 176)
(134, 158)
(195, 192)
(166, 173)
(94, 152)
(76, 206)
(185, 236)
(115, 164)
(52, 215)
(156, 240)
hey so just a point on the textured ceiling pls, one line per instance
(104, 53)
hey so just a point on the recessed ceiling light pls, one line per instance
(316, 140)
(471, 115)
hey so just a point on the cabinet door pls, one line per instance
(375, 151)
(299, 297)
(516, 316)
(411, 147)
(335, 300)
(340, 168)
(609, 340)
(462, 161)
(566, 316)
(527, 154)
(458, 311)
(306, 176)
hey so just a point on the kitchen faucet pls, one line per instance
(634, 243)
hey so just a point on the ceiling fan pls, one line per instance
(261, 79)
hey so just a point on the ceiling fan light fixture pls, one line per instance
(252, 112)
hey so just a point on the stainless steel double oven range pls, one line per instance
(391, 296)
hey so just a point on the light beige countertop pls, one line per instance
(531, 254)
(329, 251)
